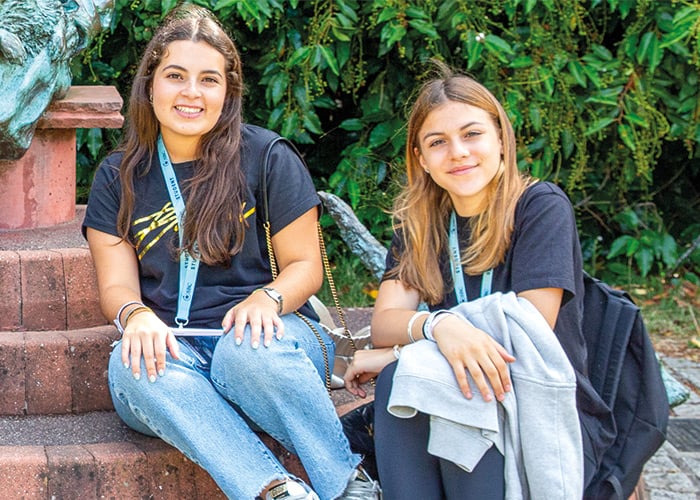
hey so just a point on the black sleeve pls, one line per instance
(290, 189)
(545, 241)
(104, 198)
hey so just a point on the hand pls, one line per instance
(145, 334)
(468, 348)
(260, 311)
(366, 365)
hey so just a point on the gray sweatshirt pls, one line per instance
(536, 427)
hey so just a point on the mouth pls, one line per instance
(188, 110)
(462, 169)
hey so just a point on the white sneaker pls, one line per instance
(291, 490)
(361, 487)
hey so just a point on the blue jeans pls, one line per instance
(207, 401)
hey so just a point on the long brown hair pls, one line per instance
(215, 193)
(422, 208)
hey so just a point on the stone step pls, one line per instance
(94, 455)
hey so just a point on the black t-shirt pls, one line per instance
(544, 253)
(291, 193)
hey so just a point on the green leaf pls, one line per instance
(352, 124)
(94, 142)
(627, 136)
(598, 125)
(619, 246)
(167, 5)
(312, 122)
(635, 119)
(329, 57)
(602, 52)
(498, 46)
(299, 56)
(392, 33)
(576, 70)
(424, 28)
(644, 259)
(386, 14)
(278, 87)
(521, 62)
(381, 133)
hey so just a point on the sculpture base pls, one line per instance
(38, 190)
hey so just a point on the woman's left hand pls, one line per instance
(260, 312)
(467, 348)
(366, 364)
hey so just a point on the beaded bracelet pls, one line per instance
(411, 321)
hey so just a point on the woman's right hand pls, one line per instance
(467, 348)
(366, 365)
(146, 335)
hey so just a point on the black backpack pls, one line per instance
(625, 372)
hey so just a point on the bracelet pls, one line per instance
(117, 320)
(397, 351)
(134, 312)
(411, 321)
(431, 321)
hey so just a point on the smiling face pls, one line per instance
(460, 147)
(189, 90)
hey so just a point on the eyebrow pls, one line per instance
(463, 127)
(184, 70)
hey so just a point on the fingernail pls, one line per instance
(126, 365)
(256, 344)
(267, 343)
(137, 376)
(278, 336)
(151, 378)
(161, 372)
(239, 341)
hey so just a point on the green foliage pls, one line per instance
(603, 94)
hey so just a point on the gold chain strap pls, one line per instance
(324, 257)
(273, 270)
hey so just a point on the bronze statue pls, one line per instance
(38, 38)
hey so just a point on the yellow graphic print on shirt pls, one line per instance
(158, 224)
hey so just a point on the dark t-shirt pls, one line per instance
(291, 193)
(544, 253)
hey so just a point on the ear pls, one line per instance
(419, 156)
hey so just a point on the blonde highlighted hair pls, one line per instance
(422, 209)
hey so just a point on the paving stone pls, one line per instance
(12, 373)
(72, 473)
(10, 284)
(48, 373)
(43, 290)
(23, 472)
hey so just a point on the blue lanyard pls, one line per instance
(456, 266)
(189, 266)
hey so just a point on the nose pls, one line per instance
(191, 88)
(459, 149)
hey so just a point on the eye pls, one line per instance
(210, 80)
(472, 133)
(435, 143)
(174, 76)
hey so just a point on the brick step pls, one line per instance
(60, 372)
(48, 279)
(94, 455)
(55, 372)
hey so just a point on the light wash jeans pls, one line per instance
(198, 406)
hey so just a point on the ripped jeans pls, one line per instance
(206, 401)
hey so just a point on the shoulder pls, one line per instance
(253, 135)
(109, 167)
(541, 194)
